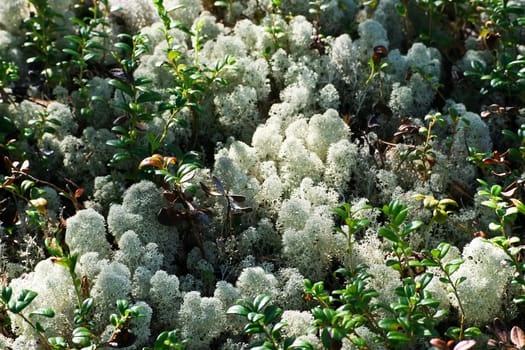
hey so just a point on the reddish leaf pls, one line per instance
(238, 208)
(237, 197)
(120, 120)
(510, 192)
(209, 191)
(490, 161)
(218, 184)
(500, 330)
(25, 167)
(188, 176)
(408, 74)
(155, 160)
(517, 336)
(8, 181)
(406, 129)
(439, 343)
(465, 345)
(170, 160)
(379, 52)
(169, 195)
(169, 216)
(79, 192)
(485, 114)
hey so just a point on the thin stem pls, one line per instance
(42, 338)
(460, 304)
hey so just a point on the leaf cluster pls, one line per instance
(262, 319)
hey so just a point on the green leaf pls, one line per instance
(122, 105)
(411, 226)
(519, 205)
(81, 336)
(116, 143)
(400, 217)
(278, 326)
(253, 328)
(444, 280)
(453, 265)
(142, 81)
(122, 306)
(149, 96)
(519, 299)
(255, 317)
(443, 249)
(489, 204)
(400, 308)
(119, 130)
(87, 304)
(73, 39)
(6, 293)
(113, 319)
(46, 312)
(124, 46)
(340, 212)
(326, 338)
(24, 299)
(271, 313)
(388, 234)
(429, 302)
(58, 342)
(440, 314)
(393, 264)
(398, 336)
(495, 190)
(120, 157)
(122, 86)
(473, 332)
(238, 310)
(71, 52)
(89, 56)
(389, 324)
(26, 185)
(460, 280)
(261, 301)
(494, 226)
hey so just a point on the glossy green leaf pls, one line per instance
(238, 310)
(89, 56)
(260, 301)
(389, 324)
(149, 96)
(46, 312)
(7, 292)
(123, 46)
(255, 316)
(122, 86)
(398, 336)
(71, 52)
(388, 234)
(271, 313)
(58, 342)
(24, 299)
(411, 226)
(81, 336)
(453, 265)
